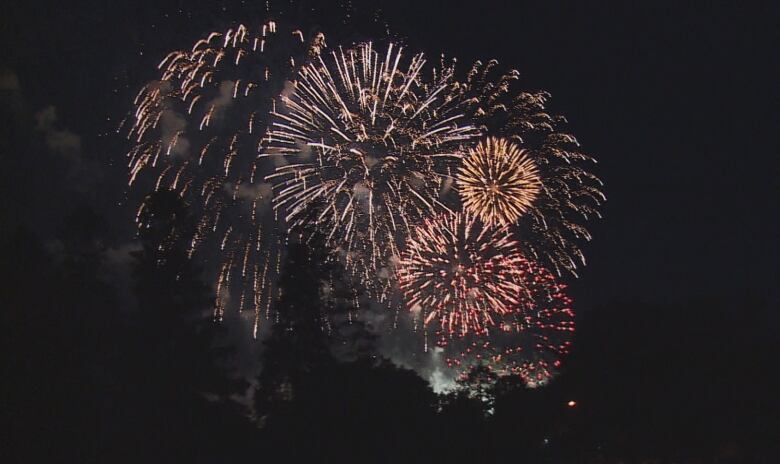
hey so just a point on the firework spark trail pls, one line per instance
(370, 138)
(528, 342)
(461, 275)
(196, 131)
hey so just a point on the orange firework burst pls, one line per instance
(460, 273)
(498, 182)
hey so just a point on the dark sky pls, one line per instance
(679, 103)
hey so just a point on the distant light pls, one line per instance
(571, 404)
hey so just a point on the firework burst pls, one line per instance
(371, 140)
(261, 132)
(498, 182)
(461, 275)
(196, 131)
(528, 342)
(550, 216)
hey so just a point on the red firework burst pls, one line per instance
(461, 275)
(529, 341)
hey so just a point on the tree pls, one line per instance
(175, 370)
(58, 314)
(315, 322)
(322, 382)
(297, 347)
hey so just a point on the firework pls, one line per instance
(498, 182)
(528, 342)
(370, 140)
(196, 131)
(550, 214)
(450, 184)
(460, 274)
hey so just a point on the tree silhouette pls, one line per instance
(298, 344)
(659, 382)
(175, 344)
(322, 381)
(57, 318)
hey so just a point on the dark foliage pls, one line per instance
(84, 381)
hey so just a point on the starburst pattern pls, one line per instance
(498, 182)
(460, 274)
(368, 139)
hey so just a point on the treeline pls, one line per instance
(83, 381)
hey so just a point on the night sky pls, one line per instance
(678, 101)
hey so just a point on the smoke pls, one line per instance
(10, 91)
(361, 195)
(261, 193)
(304, 151)
(119, 266)
(225, 98)
(383, 273)
(173, 126)
(403, 342)
(59, 141)
(120, 257)
(416, 181)
(446, 186)
(370, 161)
(288, 90)
(9, 81)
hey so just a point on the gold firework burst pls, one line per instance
(498, 182)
